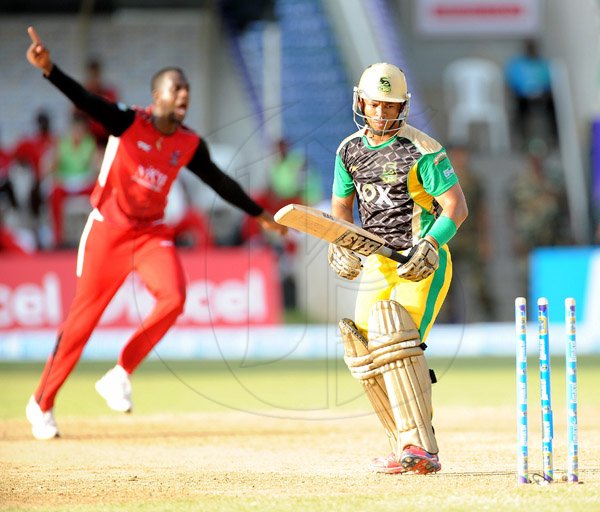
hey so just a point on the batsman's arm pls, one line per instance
(341, 207)
(454, 213)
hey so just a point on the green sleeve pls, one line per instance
(436, 173)
(343, 185)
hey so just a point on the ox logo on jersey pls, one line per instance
(370, 193)
(357, 243)
(150, 177)
(384, 84)
(389, 174)
(175, 157)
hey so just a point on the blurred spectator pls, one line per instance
(538, 205)
(74, 170)
(94, 82)
(471, 250)
(190, 225)
(529, 81)
(291, 179)
(35, 152)
(9, 243)
(6, 187)
(8, 239)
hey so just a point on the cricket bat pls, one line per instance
(336, 231)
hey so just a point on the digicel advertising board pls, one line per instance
(226, 287)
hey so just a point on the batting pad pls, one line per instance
(396, 351)
(359, 361)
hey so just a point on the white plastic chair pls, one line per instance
(474, 93)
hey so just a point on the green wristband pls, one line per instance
(443, 230)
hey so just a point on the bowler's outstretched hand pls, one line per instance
(37, 54)
(267, 222)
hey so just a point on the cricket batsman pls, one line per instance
(409, 195)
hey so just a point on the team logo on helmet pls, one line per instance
(384, 84)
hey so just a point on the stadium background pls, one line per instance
(267, 70)
(247, 405)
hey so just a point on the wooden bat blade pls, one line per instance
(337, 231)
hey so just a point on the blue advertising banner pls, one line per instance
(560, 272)
(595, 164)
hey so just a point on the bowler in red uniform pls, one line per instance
(125, 231)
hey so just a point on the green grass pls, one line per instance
(286, 385)
(277, 387)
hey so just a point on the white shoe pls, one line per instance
(115, 388)
(43, 426)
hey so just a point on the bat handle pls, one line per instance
(393, 255)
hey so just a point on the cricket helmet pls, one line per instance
(381, 82)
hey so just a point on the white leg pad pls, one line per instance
(394, 345)
(359, 361)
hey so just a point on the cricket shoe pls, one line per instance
(417, 460)
(115, 388)
(388, 464)
(43, 426)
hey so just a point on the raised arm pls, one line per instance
(114, 118)
(37, 54)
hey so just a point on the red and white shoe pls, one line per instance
(388, 464)
(416, 460)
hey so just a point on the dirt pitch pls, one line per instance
(116, 462)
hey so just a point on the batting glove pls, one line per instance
(423, 261)
(344, 262)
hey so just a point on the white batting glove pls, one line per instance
(344, 262)
(423, 261)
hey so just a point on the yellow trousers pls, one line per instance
(422, 300)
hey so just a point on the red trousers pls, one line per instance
(107, 254)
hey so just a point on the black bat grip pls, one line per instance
(393, 255)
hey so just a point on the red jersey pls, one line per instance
(5, 162)
(138, 169)
(140, 162)
(33, 150)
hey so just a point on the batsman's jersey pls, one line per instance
(395, 182)
(138, 170)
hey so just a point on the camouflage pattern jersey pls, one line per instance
(396, 183)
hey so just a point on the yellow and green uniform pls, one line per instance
(396, 184)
